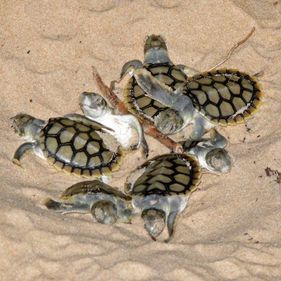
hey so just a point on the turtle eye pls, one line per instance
(154, 221)
(104, 212)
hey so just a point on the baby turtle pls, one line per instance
(73, 144)
(106, 204)
(122, 126)
(219, 97)
(121, 108)
(159, 65)
(211, 153)
(160, 189)
(161, 92)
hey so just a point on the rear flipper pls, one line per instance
(65, 208)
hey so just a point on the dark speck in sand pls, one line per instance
(269, 172)
(247, 128)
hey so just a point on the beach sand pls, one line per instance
(231, 229)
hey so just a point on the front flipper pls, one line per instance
(134, 122)
(128, 65)
(117, 86)
(153, 87)
(170, 224)
(21, 151)
(81, 118)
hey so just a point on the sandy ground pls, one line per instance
(232, 227)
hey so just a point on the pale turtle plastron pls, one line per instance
(73, 144)
(211, 153)
(219, 97)
(160, 189)
(95, 108)
(105, 203)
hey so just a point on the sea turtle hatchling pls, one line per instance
(223, 96)
(211, 153)
(105, 203)
(122, 126)
(219, 97)
(158, 63)
(160, 189)
(73, 144)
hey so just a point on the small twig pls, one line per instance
(231, 51)
(113, 100)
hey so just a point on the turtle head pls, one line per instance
(168, 122)
(154, 221)
(26, 125)
(154, 42)
(218, 160)
(93, 105)
(105, 212)
(155, 49)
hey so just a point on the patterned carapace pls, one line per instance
(168, 174)
(77, 147)
(224, 96)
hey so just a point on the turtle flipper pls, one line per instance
(27, 146)
(153, 87)
(170, 224)
(132, 63)
(64, 208)
(134, 122)
(81, 118)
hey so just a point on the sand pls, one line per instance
(232, 227)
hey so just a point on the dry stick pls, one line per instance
(117, 103)
(231, 51)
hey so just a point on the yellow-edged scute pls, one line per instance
(140, 104)
(76, 147)
(224, 96)
(168, 174)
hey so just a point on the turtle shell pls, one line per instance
(168, 174)
(138, 103)
(90, 187)
(224, 96)
(77, 147)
